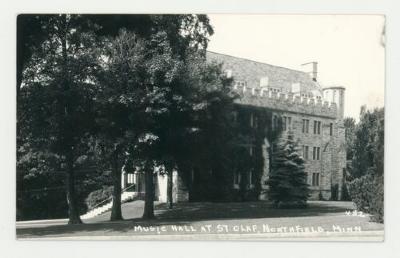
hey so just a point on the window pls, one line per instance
(317, 127)
(274, 122)
(236, 178)
(251, 177)
(253, 121)
(251, 151)
(234, 116)
(331, 129)
(306, 125)
(316, 153)
(305, 152)
(284, 123)
(315, 179)
(287, 123)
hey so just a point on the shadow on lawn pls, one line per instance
(247, 210)
(187, 213)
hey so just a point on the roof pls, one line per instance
(252, 71)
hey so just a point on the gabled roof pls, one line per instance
(252, 71)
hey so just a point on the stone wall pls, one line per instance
(285, 102)
(332, 152)
(332, 147)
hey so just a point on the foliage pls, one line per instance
(367, 193)
(209, 124)
(350, 127)
(320, 196)
(334, 192)
(288, 182)
(41, 184)
(367, 166)
(93, 94)
(98, 196)
(55, 108)
(369, 143)
(345, 192)
(153, 82)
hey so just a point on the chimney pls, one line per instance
(313, 73)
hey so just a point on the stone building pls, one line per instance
(313, 113)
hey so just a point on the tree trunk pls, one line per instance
(170, 188)
(73, 213)
(149, 195)
(116, 213)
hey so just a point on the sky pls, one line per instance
(348, 49)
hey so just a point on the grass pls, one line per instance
(210, 218)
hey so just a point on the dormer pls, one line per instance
(296, 88)
(264, 81)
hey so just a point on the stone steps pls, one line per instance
(125, 197)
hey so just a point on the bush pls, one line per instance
(367, 194)
(320, 196)
(334, 192)
(98, 196)
(345, 193)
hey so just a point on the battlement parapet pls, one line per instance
(285, 102)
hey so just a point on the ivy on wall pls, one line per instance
(213, 180)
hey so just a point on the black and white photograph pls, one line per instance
(200, 127)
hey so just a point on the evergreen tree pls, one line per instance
(287, 181)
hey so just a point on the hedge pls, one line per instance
(98, 196)
(367, 194)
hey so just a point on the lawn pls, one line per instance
(194, 220)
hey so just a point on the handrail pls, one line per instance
(109, 198)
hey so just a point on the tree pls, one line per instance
(56, 107)
(118, 104)
(350, 126)
(367, 166)
(287, 181)
(368, 147)
(63, 66)
(145, 87)
(165, 93)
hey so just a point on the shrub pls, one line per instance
(334, 192)
(367, 194)
(320, 196)
(345, 193)
(98, 196)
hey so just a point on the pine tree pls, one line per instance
(288, 182)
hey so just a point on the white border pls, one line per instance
(12, 248)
